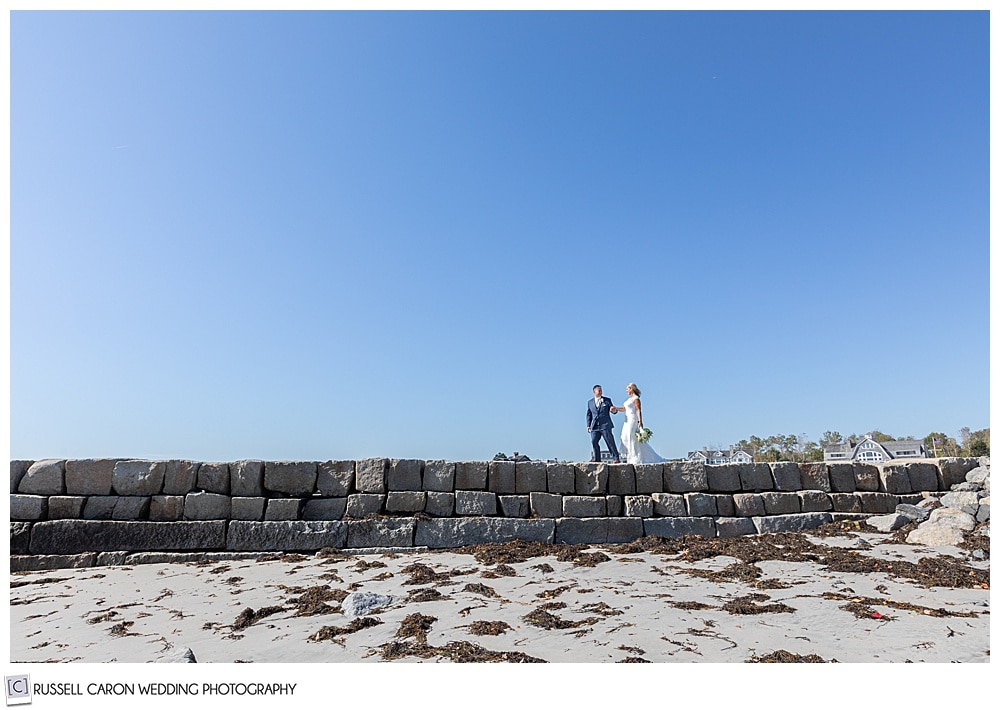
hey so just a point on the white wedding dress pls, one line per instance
(636, 451)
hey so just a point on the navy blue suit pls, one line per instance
(600, 425)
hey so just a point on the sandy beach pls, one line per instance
(843, 594)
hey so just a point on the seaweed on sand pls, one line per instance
(454, 651)
(330, 633)
(782, 656)
(415, 626)
(249, 617)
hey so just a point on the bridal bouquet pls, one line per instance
(643, 435)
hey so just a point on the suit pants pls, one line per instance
(609, 439)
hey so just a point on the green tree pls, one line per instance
(812, 451)
(974, 442)
(979, 448)
(830, 438)
(881, 437)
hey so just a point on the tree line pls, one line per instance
(799, 447)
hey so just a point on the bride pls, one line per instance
(635, 451)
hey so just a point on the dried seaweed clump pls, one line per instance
(415, 626)
(328, 633)
(454, 651)
(312, 601)
(249, 617)
(748, 605)
(782, 656)
(488, 628)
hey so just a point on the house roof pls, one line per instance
(903, 444)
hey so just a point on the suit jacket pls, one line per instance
(599, 417)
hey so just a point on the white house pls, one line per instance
(716, 457)
(867, 450)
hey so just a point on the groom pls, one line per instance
(599, 424)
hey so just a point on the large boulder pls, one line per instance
(776, 503)
(291, 478)
(441, 533)
(44, 478)
(685, 477)
(936, 535)
(26, 507)
(756, 477)
(335, 479)
(286, 535)
(361, 505)
(953, 470)
(404, 475)
(385, 532)
(815, 477)
(214, 477)
(889, 522)
(895, 478)
(370, 475)
(139, 478)
(207, 506)
(678, 527)
(621, 479)
(966, 501)
(439, 476)
(67, 537)
(405, 501)
(670, 505)
(20, 536)
(594, 531)
(951, 517)
(700, 504)
(530, 477)
(842, 478)
(471, 475)
(790, 523)
(584, 506)
(866, 477)
(475, 503)
(440, 504)
(322, 509)
(648, 478)
(923, 476)
(545, 505)
(17, 470)
(89, 477)
(914, 513)
(180, 477)
(591, 479)
(725, 478)
(246, 479)
(501, 477)
(786, 476)
(561, 478)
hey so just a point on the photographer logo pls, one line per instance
(18, 689)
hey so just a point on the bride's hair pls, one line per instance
(635, 390)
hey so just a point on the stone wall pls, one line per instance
(102, 506)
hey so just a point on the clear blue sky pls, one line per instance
(340, 235)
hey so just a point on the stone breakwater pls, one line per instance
(109, 511)
(944, 519)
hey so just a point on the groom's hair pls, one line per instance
(598, 387)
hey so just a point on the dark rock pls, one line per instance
(286, 535)
(66, 537)
(404, 475)
(457, 532)
(576, 531)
